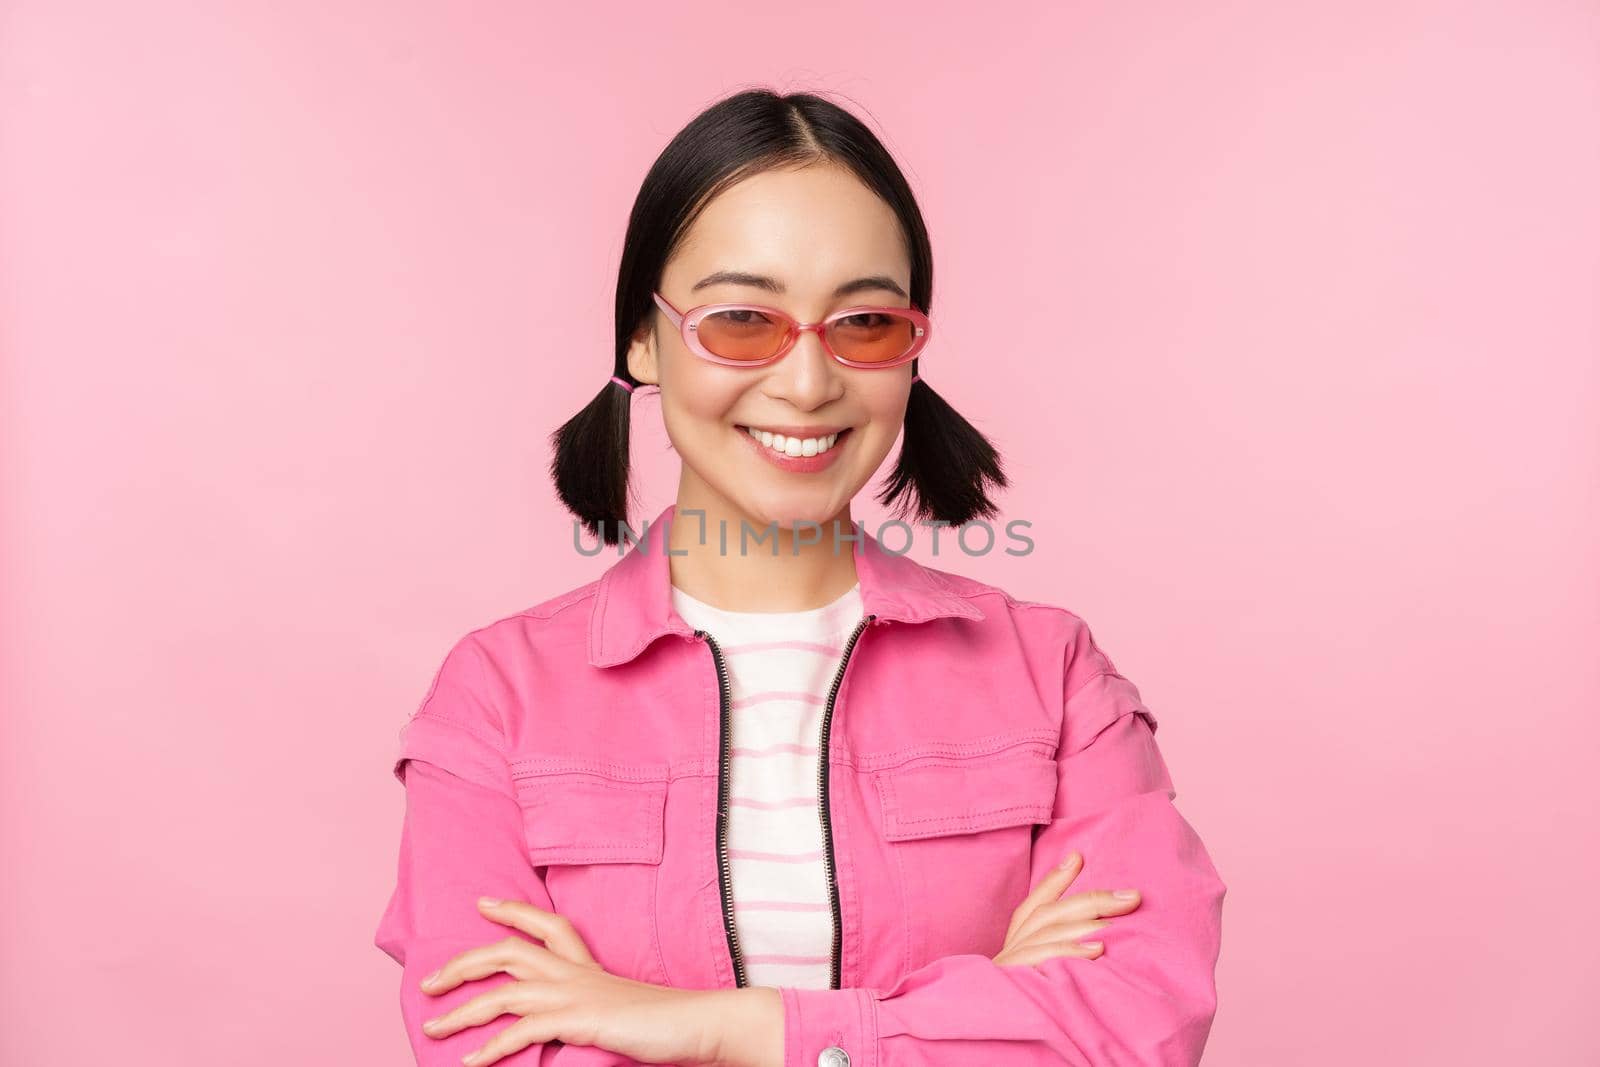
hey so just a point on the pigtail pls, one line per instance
(590, 465)
(945, 464)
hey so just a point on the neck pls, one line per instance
(756, 576)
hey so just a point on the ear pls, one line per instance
(642, 363)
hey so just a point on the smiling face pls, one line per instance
(811, 232)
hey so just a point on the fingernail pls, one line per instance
(432, 978)
(1127, 894)
(472, 1057)
(1072, 857)
(489, 902)
(1092, 944)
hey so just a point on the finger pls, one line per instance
(540, 1029)
(1072, 930)
(1049, 888)
(1034, 954)
(483, 1008)
(1044, 917)
(556, 931)
(514, 955)
(1090, 904)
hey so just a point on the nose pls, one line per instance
(806, 376)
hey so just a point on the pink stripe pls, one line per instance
(775, 857)
(773, 750)
(775, 805)
(778, 694)
(793, 646)
(777, 905)
(774, 958)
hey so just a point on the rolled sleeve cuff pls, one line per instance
(455, 748)
(816, 1020)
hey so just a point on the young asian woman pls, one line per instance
(583, 763)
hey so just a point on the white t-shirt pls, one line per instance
(780, 666)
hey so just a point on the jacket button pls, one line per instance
(833, 1056)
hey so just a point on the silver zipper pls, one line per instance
(822, 794)
(724, 867)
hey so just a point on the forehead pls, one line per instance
(810, 228)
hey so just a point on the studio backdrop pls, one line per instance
(1282, 316)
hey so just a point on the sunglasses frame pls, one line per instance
(687, 323)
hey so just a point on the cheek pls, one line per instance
(870, 453)
(885, 416)
(698, 400)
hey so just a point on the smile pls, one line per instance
(793, 445)
(797, 449)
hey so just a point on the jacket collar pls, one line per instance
(633, 605)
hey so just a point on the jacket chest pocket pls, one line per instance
(961, 830)
(596, 841)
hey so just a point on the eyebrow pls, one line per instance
(773, 285)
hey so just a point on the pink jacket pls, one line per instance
(572, 756)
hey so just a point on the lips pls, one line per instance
(795, 442)
(795, 453)
(795, 429)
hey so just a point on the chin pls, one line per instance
(792, 513)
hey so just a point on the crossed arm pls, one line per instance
(1148, 1001)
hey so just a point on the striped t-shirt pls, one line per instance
(781, 666)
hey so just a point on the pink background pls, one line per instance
(1284, 316)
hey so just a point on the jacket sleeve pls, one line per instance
(461, 839)
(1147, 1001)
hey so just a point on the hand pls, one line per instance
(563, 995)
(1043, 927)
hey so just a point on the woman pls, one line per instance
(768, 792)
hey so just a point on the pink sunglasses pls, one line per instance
(753, 335)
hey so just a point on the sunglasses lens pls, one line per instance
(872, 337)
(742, 333)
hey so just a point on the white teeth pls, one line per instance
(793, 446)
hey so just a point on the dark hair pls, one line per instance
(944, 462)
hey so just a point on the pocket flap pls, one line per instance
(966, 796)
(587, 818)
